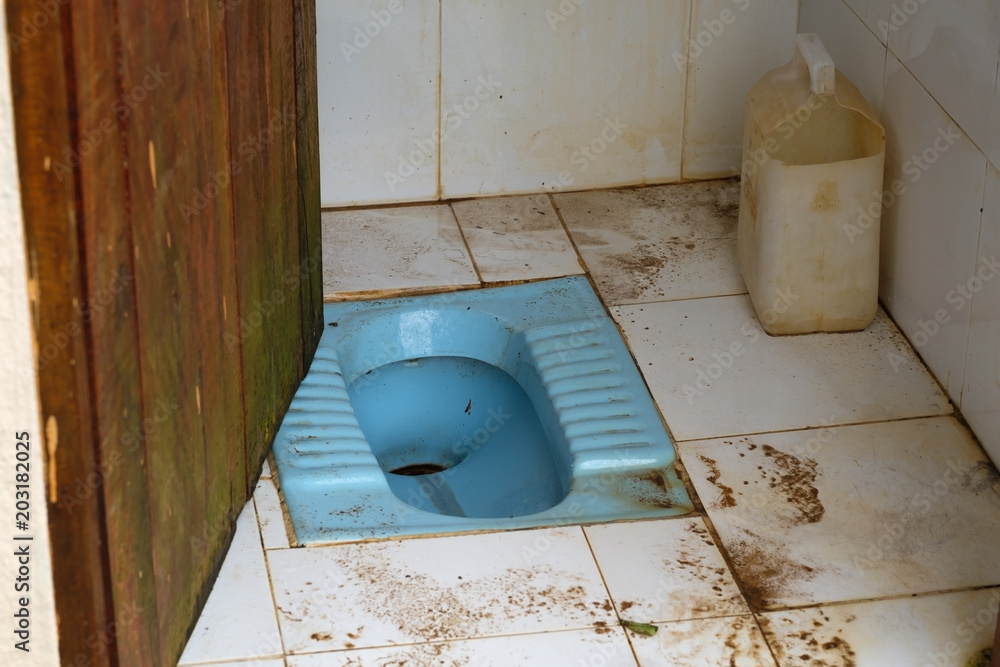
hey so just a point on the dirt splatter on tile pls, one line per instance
(795, 479)
(727, 499)
(765, 571)
(820, 645)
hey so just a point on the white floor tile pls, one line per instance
(516, 238)
(400, 592)
(271, 662)
(714, 642)
(409, 247)
(265, 470)
(851, 513)
(601, 646)
(272, 522)
(942, 630)
(664, 570)
(714, 372)
(657, 244)
(238, 621)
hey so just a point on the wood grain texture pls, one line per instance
(261, 43)
(184, 283)
(46, 139)
(173, 232)
(307, 154)
(109, 311)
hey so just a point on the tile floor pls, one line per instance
(849, 517)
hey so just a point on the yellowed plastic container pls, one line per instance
(807, 242)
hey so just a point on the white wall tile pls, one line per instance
(981, 397)
(733, 43)
(562, 78)
(952, 49)
(930, 233)
(874, 13)
(378, 100)
(855, 50)
(994, 145)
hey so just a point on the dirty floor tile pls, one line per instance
(404, 248)
(400, 592)
(664, 570)
(948, 630)
(714, 372)
(243, 586)
(272, 522)
(607, 646)
(658, 243)
(272, 662)
(516, 238)
(851, 513)
(735, 641)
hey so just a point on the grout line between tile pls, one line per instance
(267, 572)
(468, 248)
(607, 589)
(899, 596)
(824, 427)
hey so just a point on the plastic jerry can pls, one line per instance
(807, 241)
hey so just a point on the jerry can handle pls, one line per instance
(811, 54)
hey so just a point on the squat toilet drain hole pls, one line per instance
(417, 469)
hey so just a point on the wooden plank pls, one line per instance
(110, 312)
(45, 142)
(260, 40)
(307, 153)
(186, 290)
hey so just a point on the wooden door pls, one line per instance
(168, 160)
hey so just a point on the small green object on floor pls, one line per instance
(639, 628)
(980, 659)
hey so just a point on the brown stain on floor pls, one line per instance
(714, 593)
(427, 609)
(632, 238)
(764, 570)
(821, 645)
(795, 479)
(728, 500)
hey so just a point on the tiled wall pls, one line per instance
(931, 69)
(428, 99)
